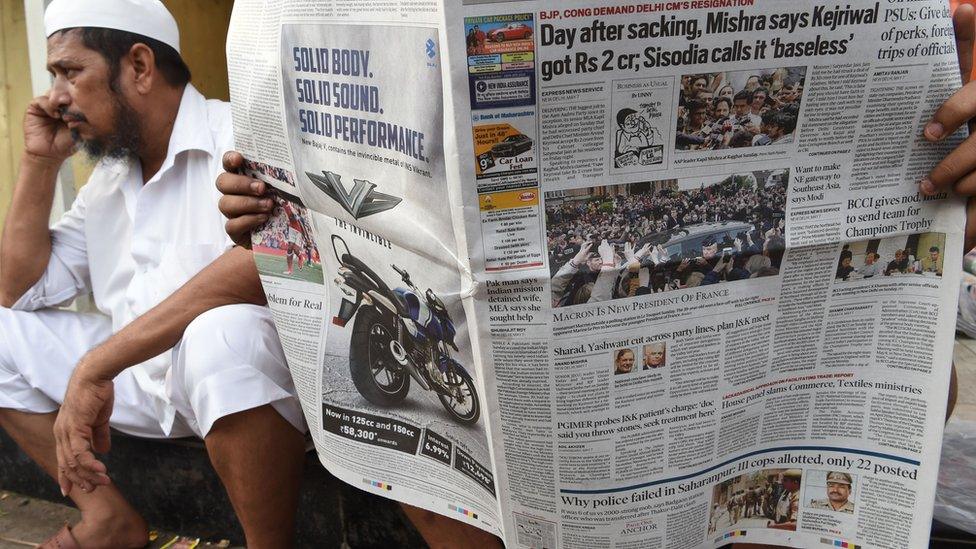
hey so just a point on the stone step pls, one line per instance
(176, 489)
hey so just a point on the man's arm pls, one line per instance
(82, 425)
(231, 278)
(25, 247)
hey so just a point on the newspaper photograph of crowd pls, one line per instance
(728, 110)
(285, 245)
(620, 241)
(769, 498)
(914, 254)
(268, 173)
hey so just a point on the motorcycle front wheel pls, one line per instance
(375, 373)
(463, 404)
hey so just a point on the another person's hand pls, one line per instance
(46, 134)
(580, 258)
(82, 428)
(957, 171)
(607, 255)
(245, 203)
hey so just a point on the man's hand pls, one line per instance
(957, 171)
(81, 429)
(46, 136)
(245, 203)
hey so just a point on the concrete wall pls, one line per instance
(203, 27)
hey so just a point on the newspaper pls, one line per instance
(600, 274)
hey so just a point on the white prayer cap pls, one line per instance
(146, 17)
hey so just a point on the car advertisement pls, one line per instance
(501, 60)
(503, 149)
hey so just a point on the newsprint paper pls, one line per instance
(595, 274)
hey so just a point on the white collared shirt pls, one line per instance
(133, 244)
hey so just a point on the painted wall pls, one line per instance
(15, 93)
(203, 29)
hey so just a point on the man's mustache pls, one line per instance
(73, 115)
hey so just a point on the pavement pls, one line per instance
(26, 522)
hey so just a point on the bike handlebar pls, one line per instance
(403, 274)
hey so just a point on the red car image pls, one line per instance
(512, 31)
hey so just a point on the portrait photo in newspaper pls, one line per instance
(832, 491)
(620, 241)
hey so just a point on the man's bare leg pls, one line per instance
(441, 532)
(259, 457)
(107, 519)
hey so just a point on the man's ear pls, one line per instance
(143, 63)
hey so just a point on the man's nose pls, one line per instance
(58, 95)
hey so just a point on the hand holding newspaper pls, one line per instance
(615, 274)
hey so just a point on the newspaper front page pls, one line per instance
(609, 274)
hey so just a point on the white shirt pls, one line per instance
(133, 244)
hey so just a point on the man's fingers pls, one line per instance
(234, 184)
(235, 206)
(971, 226)
(233, 161)
(964, 26)
(102, 439)
(47, 106)
(91, 470)
(76, 480)
(956, 165)
(956, 111)
(240, 228)
(63, 481)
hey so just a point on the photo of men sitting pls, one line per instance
(916, 254)
(728, 110)
(621, 241)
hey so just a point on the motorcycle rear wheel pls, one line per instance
(467, 412)
(375, 372)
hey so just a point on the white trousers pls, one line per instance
(229, 360)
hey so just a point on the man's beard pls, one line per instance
(124, 142)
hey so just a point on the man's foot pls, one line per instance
(111, 530)
(288, 272)
(62, 540)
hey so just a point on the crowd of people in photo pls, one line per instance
(714, 114)
(278, 174)
(903, 262)
(615, 247)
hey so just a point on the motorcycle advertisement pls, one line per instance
(401, 400)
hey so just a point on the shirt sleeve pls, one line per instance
(67, 274)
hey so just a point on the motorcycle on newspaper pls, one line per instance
(398, 335)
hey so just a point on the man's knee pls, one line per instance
(225, 337)
(230, 360)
